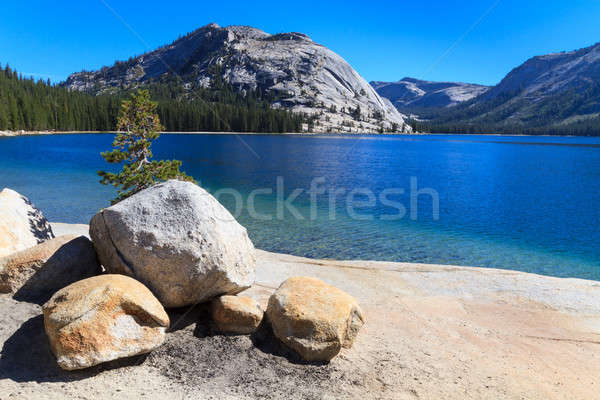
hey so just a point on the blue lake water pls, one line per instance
(523, 203)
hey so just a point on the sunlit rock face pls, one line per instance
(297, 74)
(22, 225)
(101, 319)
(179, 241)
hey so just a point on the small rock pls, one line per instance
(178, 240)
(43, 269)
(313, 318)
(21, 224)
(101, 319)
(236, 314)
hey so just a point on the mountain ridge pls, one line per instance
(410, 94)
(294, 72)
(543, 72)
(552, 93)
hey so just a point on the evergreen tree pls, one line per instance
(138, 127)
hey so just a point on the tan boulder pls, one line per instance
(21, 224)
(313, 318)
(43, 269)
(236, 314)
(103, 318)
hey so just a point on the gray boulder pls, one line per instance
(21, 224)
(178, 240)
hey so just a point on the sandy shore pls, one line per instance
(432, 332)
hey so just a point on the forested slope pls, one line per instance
(27, 104)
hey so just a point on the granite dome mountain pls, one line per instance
(293, 71)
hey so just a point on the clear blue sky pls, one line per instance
(382, 40)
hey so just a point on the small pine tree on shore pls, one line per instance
(137, 127)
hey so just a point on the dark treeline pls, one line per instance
(27, 104)
(218, 108)
(588, 127)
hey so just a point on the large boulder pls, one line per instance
(313, 318)
(101, 319)
(236, 314)
(39, 271)
(21, 224)
(178, 240)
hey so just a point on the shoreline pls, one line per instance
(61, 228)
(330, 134)
(44, 133)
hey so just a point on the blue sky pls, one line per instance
(471, 41)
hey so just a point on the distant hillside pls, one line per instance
(288, 70)
(26, 104)
(409, 94)
(555, 93)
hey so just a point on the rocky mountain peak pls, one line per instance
(552, 93)
(545, 75)
(411, 93)
(297, 73)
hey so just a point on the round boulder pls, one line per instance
(313, 318)
(178, 240)
(101, 319)
(236, 314)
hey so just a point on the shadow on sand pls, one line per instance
(26, 357)
(263, 339)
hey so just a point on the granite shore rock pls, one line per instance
(170, 245)
(430, 331)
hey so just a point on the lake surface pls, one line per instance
(522, 203)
